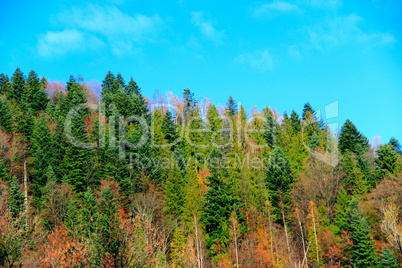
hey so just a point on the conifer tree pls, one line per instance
(132, 88)
(352, 140)
(231, 106)
(270, 131)
(218, 206)
(169, 128)
(18, 86)
(3, 171)
(315, 141)
(34, 95)
(175, 191)
(25, 120)
(388, 259)
(76, 160)
(5, 84)
(178, 248)
(295, 121)
(387, 161)
(395, 144)
(341, 210)
(6, 117)
(279, 179)
(16, 198)
(363, 252)
(214, 126)
(308, 111)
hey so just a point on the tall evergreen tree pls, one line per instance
(387, 160)
(6, 117)
(218, 206)
(270, 131)
(175, 186)
(351, 139)
(3, 171)
(18, 85)
(395, 144)
(5, 84)
(169, 128)
(363, 252)
(388, 259)
(295, 121)
(279, 179)
(132, 88)
(231, 106)
(16, 198)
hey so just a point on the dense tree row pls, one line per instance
(176, 182)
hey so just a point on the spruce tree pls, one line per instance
(278, 180)
(386, 161)
(16, 198)
(5, 84)
(6, 117)
(395, 144)
(308, 111)
(315, 141)
(388, 259)
(175, 191)
(218, 206)
(3, 171)
(18, 86)
(132, 88)
(295, 121)
(25, 120)
(270, 131)
(35, 95)
(169, 128)
(231, 106)
(363, 251)
(352, 140)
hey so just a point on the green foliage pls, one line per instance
(5, 84)
(6, 117)
(18, 86)
(270, 131)
(363, 253)
(351, 140)
(3, 171)
(16, 198)
(169, 128)
(387, 160)
(395, 144)
(278, 180)
(35, 95)
(388, 259)
(231, 106)
(295, 121)
(341, 210)
(174, 190)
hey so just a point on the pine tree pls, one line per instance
(341, 210)
(363, 252)
(295, 121)
(3, 171)
(18, 86)
(308, 111)
(5, 84)
(214, 127)
(169, 128)
(387, 160)
(270, 131)
(352, 140)
(178, 249)
(218, 206)
(175, 192)
(132, 88)
(25, 120)
(388, 259)
(16, 198)
(395, 144)
(315, 141)
(6, 117)
(35, 95)
(279, 179)
(76, 160)
(231, 106)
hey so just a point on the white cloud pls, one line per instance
(345, 30)
(260, 60)
(205, 26)
(275, 7)
(120, 31)
(59, 43)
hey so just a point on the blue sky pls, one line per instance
(280, 54)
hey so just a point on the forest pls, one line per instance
(100, 175)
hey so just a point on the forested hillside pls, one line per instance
(117, 179)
